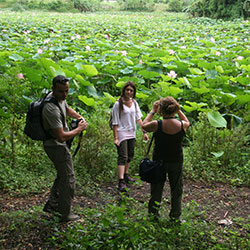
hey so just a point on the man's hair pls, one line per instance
(59, 79)
(168, 106)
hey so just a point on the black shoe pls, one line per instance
(49, 209)
(71, 217)
(128, 179)
(122, 186)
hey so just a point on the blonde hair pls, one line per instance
(168, 106)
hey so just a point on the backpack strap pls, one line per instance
(53, 100)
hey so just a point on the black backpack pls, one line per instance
(34, 123)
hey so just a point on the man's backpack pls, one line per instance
(34, 123)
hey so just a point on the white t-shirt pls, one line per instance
(126, 121)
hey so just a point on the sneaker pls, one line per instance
(122, 186)
(128, 179)
(49, 209)
(71, 217)
(177, 220)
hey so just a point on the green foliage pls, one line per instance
(50, 5)
(219, 8)
(96, 160)
(218, 154)
(87, 5)
(137, 5)
(175, 5)
(126, 225)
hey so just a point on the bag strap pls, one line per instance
(149, 145)
(151, 141)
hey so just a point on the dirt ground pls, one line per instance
(222, 203)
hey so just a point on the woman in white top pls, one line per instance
(125, 113)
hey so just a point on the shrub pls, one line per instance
(87, 5)
(137, 5)
(175, 5)
(218, 154)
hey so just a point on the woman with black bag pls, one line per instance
(169, 134)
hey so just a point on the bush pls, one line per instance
(175, 5)
(137, 5)
(87, 5)
(218, 154)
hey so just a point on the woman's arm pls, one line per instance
(184, 119)
(144, 132)
(149, 125)
(116, 142)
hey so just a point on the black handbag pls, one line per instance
(151, 171)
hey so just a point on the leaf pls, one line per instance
(195, 71)
(217, 154)
(82, 80)
(128, 61)
(92, 91)
(86, 100)
(219, 69)
(216, 119)
(89, 70)
(113, 99)
(148, 74)
(187, 82)
(16, 57)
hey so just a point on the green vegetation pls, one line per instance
(203, 63)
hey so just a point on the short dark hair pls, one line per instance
(59, 79)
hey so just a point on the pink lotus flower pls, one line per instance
(107, 36)
(212, 40)
(46, 41)
(72, 38)
(171, 52)
(117, 51)
(217, 53)
(20, 76)
(124, 52)
(88, 48)
(78, 36)
(140, 62)
(39, 51)
(240, 58)
(172, 74)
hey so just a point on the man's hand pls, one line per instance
(83, 125)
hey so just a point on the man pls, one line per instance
(54, 121)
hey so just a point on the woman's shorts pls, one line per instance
(126, 151)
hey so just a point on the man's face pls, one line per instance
(60, 91)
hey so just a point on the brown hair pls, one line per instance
(127, 84)
(168, 106)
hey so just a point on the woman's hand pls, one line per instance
(156, 106)
(116, 142)
(145, 137)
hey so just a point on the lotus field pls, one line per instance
(203, 63)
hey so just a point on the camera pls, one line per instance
(74, 123)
